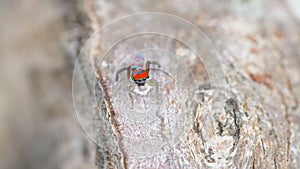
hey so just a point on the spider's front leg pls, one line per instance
(123, 69)
(130, 93)
(148, 63)
(152, 82)
(131, 88)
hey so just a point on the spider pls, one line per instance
(136, 72)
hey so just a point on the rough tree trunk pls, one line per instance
(258, 125)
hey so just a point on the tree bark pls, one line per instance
(257, 126)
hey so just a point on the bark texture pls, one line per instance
(259, 124)
(258, 127)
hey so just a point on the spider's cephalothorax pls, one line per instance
(136, 72)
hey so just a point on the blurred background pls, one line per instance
(39, 41)
(38, 125)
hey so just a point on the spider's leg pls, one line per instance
(155, 63)
(131, 90)
(128, 72)
(154, 83)
(121, 70)
(148, 66)
(151, 62)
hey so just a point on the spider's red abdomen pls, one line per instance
(141, 75)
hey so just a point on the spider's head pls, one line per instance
(140, 82)
(140, 78)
